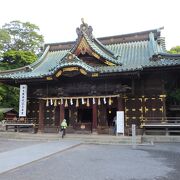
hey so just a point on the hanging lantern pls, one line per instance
(83, 101)
(55, 102)
(99, 101)
(94, 102)
(47, 102)
(51, 102)
(59, 102)
(71, 102)
(77, 103)
(104, 100)
(110, 101)
(66, 103)
(88, 102)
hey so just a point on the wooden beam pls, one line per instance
(120, 103)
(61, 112)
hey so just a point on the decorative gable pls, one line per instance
(87, 46)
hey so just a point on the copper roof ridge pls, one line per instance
(109, 37)
(130, 34)
(12, 70)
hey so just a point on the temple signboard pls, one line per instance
(120, 122)
(23, 100)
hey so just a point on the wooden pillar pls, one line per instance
(133, 86)
(120, 104)
(41, 115)
(94, 124)
(73, 117)
(163, 108)
(102, 116)
(61, 112)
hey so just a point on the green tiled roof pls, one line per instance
(5, 110)
(128, 56)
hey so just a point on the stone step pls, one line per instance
(160, 139)
(85, 138)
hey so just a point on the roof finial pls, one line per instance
(84, 28)
(82, 19)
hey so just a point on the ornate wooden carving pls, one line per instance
(38, 92)
(60, 91)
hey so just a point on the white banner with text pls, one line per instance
(120, 122)
(23, 100)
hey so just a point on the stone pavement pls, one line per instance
(104, 162)
(57, 159)
(21, 156)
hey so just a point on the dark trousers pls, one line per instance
(64, 130)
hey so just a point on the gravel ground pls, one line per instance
(104, 162)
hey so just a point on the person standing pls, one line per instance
(115, 125)
(63, 127)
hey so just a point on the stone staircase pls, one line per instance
(104, 139)
(84, 138)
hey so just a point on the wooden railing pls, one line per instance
(161, 125)
(149, 120)
(21, 120)
(17, 124)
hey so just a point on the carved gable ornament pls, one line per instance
(87, 45)
(86, 54)
(70, 56)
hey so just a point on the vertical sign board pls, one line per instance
(120, 122)
(134, 136)
(23, 100)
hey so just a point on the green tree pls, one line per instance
(9, 96)
(24, 36)
(15, 59)
(2, 93)
(4, 40)
(20, 43)
(174, 93)
(175, 50)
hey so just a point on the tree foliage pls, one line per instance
(23, 36)
(175, 50)
(9, 96)
(17, 59)
(1, 116)
(175, 95)
(4, 40)
(20, 43)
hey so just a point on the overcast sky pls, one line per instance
(58, 19)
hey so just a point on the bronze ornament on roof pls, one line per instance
(70, 56)
(84, 28)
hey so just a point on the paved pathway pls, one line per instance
(18, 157)
(104, 162)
